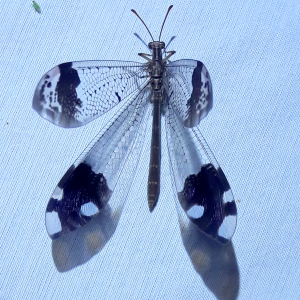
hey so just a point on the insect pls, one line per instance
(75, 93)
(36, 7)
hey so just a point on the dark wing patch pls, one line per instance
(82, 187)
(66, 91)
(206, 190)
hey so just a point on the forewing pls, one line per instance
(88, 185)
(190, 90)
(204, 194)
(75, 93)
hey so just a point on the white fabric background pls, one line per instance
(251, 49)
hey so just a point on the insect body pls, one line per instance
(36, 7)
(73, 94)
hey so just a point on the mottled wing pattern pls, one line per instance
(89, 184)
(190, 90)
(75, 93)
(204, 194)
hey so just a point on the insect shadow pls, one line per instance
(214, 262)
(89, 240)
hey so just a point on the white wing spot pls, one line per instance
(195, 212)
(89, 209)
(53, 224)
(227, 227)
(57, 194)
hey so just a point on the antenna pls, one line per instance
(146, 25)
(164, 21)
(143, 23)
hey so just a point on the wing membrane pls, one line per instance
(75, 93)
(204, 194)
(88, 185)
